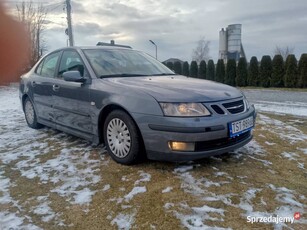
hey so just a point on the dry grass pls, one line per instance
(242, 171)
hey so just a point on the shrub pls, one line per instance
(302, 66)
(291, 76)
(265, 71)
(193, 69)
(253, 72)
(241, 78)
(230, 77)
(185, 69)
(278, 71)
(178, 67)
(220, 71)
(211, 70)
(202, 69)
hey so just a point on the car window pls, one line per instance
(39, 68)
(49, 65)
(123, 62)
(70, 60)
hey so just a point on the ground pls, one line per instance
(51, 180)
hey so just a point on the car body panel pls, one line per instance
(176, 88)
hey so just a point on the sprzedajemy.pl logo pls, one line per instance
(273, 219)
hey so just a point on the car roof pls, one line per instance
(94, 47)
(90, 48)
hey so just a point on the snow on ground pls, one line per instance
(126, 217)
(291, 108)
(199, 216)
(278, 101)
(63, 167)
(123, 221)
(286, 132)
(71, 172)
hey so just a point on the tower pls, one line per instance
(230, 43)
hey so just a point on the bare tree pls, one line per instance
(33, 16)
(201, 52)
(284, 51)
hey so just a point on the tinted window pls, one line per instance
(71, 61)
(49, 65)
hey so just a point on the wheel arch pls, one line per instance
(23, 99)
(103, 115)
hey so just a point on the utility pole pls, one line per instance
(69, 24)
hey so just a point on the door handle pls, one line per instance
(55, 87)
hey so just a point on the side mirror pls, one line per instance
(73, 76)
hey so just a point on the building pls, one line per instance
(173, 60)
(230, 44)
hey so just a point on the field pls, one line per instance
(51, 180)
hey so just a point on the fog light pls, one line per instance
(182, 146)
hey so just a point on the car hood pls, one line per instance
(176, 88)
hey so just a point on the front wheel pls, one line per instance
(122, 138)
(30, 114)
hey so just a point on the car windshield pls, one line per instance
(124, 63)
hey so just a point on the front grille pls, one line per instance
(235, 106)
(220, 143)
(217, 109)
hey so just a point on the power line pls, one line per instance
(35, 2)
(57, 6)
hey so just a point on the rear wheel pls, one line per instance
(30, 114)
(122, 138)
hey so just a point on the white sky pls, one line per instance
(176, 25)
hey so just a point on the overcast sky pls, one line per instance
(176, 25)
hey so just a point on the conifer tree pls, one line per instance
(278, 71)
(185, 69)
(241, 78)
(193, 69)
(253, 72)
(291, 76)
(178, 67)
(202, 70)
(230, 77)
(220, 71)
(265, 71)
(211, 70)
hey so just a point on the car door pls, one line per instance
(42, 87)
(71, 99)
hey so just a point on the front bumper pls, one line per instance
(210, 134)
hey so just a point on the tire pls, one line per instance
(122, 138)
(30, 114)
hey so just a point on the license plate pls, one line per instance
(242, 126)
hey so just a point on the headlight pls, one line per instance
(184, 109)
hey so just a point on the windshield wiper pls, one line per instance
(122, 75)
(163, 74)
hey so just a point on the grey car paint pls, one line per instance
(79, 108)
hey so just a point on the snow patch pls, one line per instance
(123, 221)
(106, 187)
(134, 191)
(145, 177)
(183, 168)
(168, 189)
